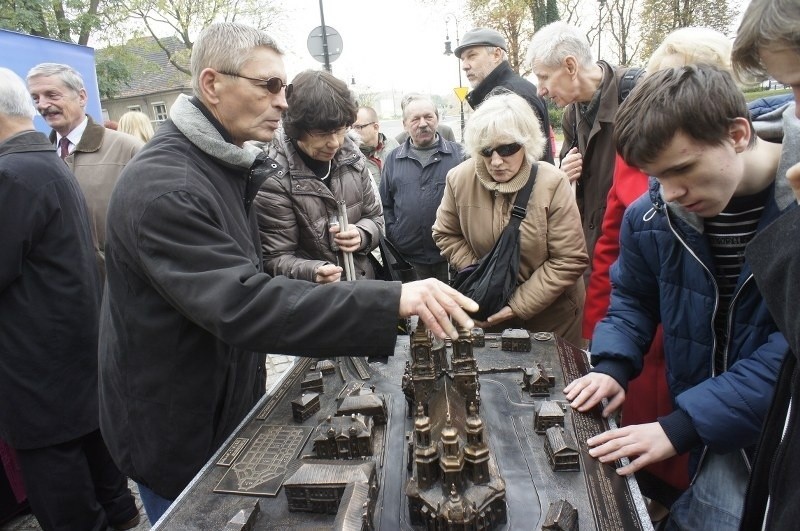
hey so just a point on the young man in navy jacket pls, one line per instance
(682, 265)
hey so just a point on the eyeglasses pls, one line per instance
(272, 84)
(335, 132)
(506, 150)
(359, 127)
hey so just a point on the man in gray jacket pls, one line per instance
(412, 187)
(189, 311)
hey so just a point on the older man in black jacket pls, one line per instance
(49, 305)
(189, 311)
(483, 57)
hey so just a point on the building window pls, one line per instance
(135, 108)
(160, 111)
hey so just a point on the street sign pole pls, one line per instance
(325, 53)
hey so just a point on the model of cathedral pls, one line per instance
(454, 478)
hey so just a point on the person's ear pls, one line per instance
(570, 64)
(740, 132)
(209, 84)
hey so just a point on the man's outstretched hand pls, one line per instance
(435, 302)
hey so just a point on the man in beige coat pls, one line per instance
(95, 155)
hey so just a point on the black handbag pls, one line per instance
(394, 266)
(493, 279)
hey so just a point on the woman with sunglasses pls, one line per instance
(297, 207)
(504, 139)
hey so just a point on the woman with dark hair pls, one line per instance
(297, 207)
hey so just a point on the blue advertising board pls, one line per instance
(20, 53)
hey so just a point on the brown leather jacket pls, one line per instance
(294, 206)
(475, 209)
(595, 142)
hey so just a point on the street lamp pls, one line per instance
(449, 51)
(599, 25)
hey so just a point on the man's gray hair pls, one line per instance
(15, 101)
(225, 47)
(416, 96)
(68, 75)
(554, 42)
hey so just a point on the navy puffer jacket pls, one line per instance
(664, 274)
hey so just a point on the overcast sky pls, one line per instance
(387, 44)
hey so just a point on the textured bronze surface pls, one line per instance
(603, 500)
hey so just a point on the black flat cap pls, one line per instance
(481, 37)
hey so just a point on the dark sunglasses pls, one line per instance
(506, 150)
(272, 84)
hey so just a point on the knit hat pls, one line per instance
(481, 37)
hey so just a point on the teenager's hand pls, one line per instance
(643, 444)
(435, 302)
(587, 391)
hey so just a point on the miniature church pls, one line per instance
(454, 478)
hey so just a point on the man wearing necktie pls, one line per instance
(95, 155)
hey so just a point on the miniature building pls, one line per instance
(465, 368)
(325, 367)
(344, 437)
(515, 340)
(369, 404)
(305, 406)
(548, 415)
(354, 513)
(423, 371)
(561, 516)
(318, 486)
(455, 482)
(312, 382)
(478, 337)
(562, 453)
(439, 354)
(538, 381)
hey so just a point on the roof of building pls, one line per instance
(154, 73)
(315, 472)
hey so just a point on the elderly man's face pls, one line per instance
(478, 62)
(420, 121)
(61, 107)
(557, 83)
(246, 109)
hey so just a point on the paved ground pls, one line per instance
(276, 365)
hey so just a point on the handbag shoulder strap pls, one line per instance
(520, 205)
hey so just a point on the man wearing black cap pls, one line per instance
(483, 58)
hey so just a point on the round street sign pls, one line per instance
(315, 47)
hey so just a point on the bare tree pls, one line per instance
(620, 20)
(659, 17)
(185, 19)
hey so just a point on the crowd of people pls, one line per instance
(144, 277)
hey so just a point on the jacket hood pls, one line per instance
(783, 194)
(201, 132)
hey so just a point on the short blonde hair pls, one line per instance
(504, 118)
(137, 124)
(693, 45)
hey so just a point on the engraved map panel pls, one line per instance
(260, 470)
